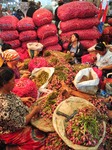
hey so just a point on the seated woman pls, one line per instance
(15, 116)
(75, 48)
(11, 59)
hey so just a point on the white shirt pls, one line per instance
(104, 60)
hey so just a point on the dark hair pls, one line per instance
(31, 3)
(60, 3)
(100, 46)
(76, 35)
(6, 46)
(6, 74)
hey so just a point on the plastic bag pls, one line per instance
(86, 80)
(37, 71)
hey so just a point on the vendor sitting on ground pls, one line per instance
(11, 59)
(104, 63)
(104, 58)
(75, 48)
(15, 116)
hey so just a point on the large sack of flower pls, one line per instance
(88, 58)
(56, 47)
(110, 31)
(49, 41)
(42, 16)
(9, 35)
(106, 37)
(8, 23)
(24, 44)
(37, 62)
(77, 9)
(14, 43)
(79, 23)
(23, 53)
(46, 30)
(87, 34)
(88, 43)
(25, 24)
(110, 21)
(25, 87)
(65, 45)
(27, 35)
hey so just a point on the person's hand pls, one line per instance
(28, 101)
(110, 48)
(101, 68)
(26, 74)
(68, 52)
(36, 109)
(72, 54)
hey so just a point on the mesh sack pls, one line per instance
(8, 23)
(88, 58)
(25, 87)
(25, 24)
(87, 34)
(20, 49)
(50, 41)
(65, 45)
(88, 43)
(37, 62)
(9, 35)
(13, 43)
(23, 53)
(110, 31)
(56, 47)
(46, 30)
(27, 35)
(110, 21)
(42, 16)
(77, 9)
(106, 30)
(77, 23)
(24, 44)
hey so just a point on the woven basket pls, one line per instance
(67, 107)
(43, 124)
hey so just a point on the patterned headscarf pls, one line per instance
(10, 55)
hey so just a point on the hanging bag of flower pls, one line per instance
(37, 62)
(25, 87)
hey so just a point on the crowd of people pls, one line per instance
(15, 117)
(33, 6)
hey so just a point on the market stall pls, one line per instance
(73, 114)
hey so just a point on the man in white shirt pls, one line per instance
(104, 58)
